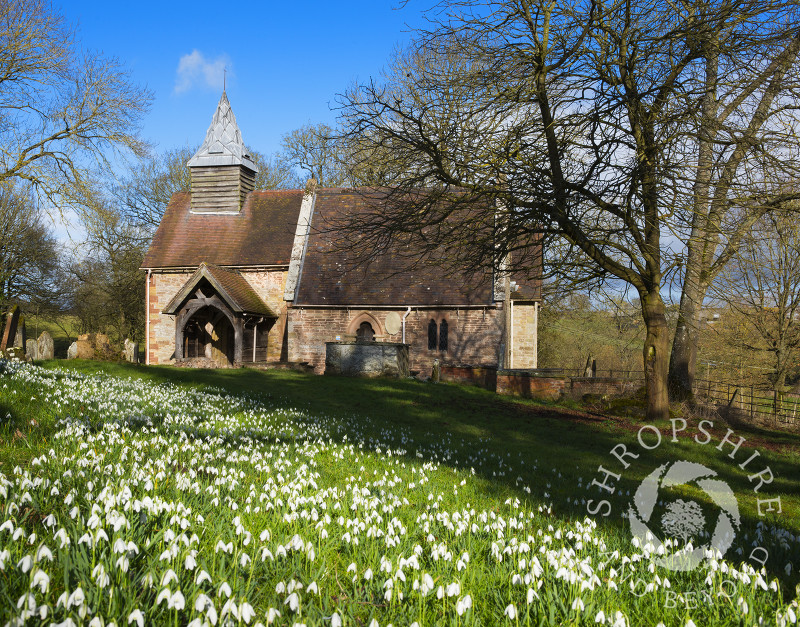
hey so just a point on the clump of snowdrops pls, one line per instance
(159, 504)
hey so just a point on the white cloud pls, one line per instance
(196, 70)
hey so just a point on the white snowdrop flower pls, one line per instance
(61, 534)
(516, 580)
(77, 598)
(122, 563)
(96, 622)
(510, 611)
(244, 558)
(368, 574)
(351, 569)
(453, 589)
(312, 588)
(690, 623)
(229, 609)
(190, 563)
(177, 601)
(168, 578)
(7, 526)
(577, 604)
(202, 602)
(374, 623)
(463, 604)
(40, 579)
(531, 594)
(280, 588)
(600, 617)
(25, 563)
(44, 553)
(264, 535)
(201, 577)
(293, 601)
(246, 612)
(164, 595)
(271, 615)
(224, 589)
(336, 620)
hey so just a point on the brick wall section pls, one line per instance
(524, 349)
(268, 285)
(530, 385)
(481, 376)
(473, 334)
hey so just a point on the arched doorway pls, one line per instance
(208, 333)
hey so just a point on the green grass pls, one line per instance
(476, 450)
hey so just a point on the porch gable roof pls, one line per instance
(231, 286)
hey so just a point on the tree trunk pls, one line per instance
(655, 356)
(683, 358)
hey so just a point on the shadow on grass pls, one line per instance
(554, 451)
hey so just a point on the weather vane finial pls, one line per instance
(224, 77)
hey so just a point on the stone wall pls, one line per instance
(474, 335)
(268, 284)
(366, 359)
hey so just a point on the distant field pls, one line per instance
(155, 495)
(63, 334)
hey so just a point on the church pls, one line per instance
(237, 276)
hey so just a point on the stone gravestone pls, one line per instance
(32, 349)
(10, 331)
(45, 346)
(22, 337)
(131, 351)
(72, 351)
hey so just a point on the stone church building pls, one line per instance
(237, 276)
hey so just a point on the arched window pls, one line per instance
(443, 335)
(365, 332)
(432, 335)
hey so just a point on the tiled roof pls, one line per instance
(261, 234)
(330, 278)
(231, 287)
(223, 144)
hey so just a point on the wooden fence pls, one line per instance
(759, 405)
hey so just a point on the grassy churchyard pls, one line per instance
(135, 495)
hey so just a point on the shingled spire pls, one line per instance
(222, 171)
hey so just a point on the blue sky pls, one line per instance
(286, 60)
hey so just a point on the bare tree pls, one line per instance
(577, 120)
(108, 286)
(62, 110)
(317, 150)
(29, 255)
(742, 154)
(761, 283)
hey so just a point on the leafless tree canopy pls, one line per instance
(762, 285)
(63, 110)
(589, 122)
